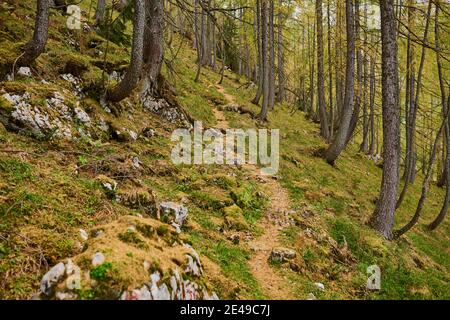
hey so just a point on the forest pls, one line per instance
(352, 96)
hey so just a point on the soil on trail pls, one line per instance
(271, 224)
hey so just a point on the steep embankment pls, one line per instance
(68, 162)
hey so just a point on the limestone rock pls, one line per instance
(51, 278)
(98, 259)
(319, 285)
(24, 71)
(282, 254)
(173, 212)
(83, 235)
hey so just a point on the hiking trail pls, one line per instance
(272, 284)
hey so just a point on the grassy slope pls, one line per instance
(44, 200)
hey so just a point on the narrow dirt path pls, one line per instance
(273, 286)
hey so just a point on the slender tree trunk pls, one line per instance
(265, 35)
(445, 107)
(131, 78)
(324, 129)
(440, 217)
(258, 37)
(213, 38)
(413, 107)
(36, 45)
(338, 62)
(312, 111)
(100, 12)
(281, 80)
(365, 140)
(222, 56)
(330, 73)
(198, 41)
(339, 142)
(359, 75)
(271, 45)
(426, 182)
(372, 106)
(383, 217)
(195, 14)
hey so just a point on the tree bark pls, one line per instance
(339, 142)
(36, 45)
(281, 77)
(312, 111)
(433, 225)
(132, 75)
(359, 75)
(100, 12)
(338, 63)
(364, 147)
(195, 25)
(324, 129)
(426, 182)
(264, 35)
(372, 88)
(382, 219)
(271, 44)
(153, 46)
(330, 73)
(258, 37)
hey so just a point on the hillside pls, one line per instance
(71, 162)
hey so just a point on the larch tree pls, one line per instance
(446, 108)
(382, 219)
(324, 128)
(100, 11)
(340, 140)
(265, 55)
(281, 75)
(34, 47)
(133, 73)
(153, 47)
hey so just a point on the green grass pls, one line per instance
(16, 169)
(233, 261)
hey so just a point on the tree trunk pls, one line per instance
(330, 73)
(372, 106)
(281, 80)
(410, 112)
(341, 138)
(36, 45)
(153, 47)
(338, 63)
(383, 217)
(258, 37)
(100, 12)
(359, 75)
(131, 78)
(365, 140)
(198, 41)
(445, 107)
(213, 39)
(195, 26)
(426, 182)
(271, 45)
(264, 35)
(312, 113)
(324, 129)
